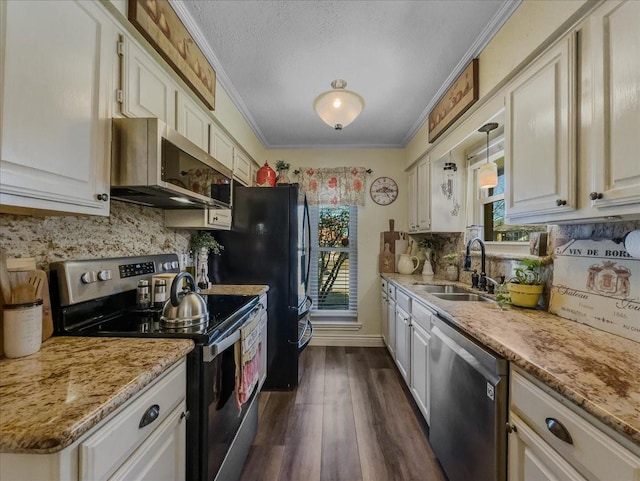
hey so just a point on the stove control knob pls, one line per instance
(166, 266)
(175, 265)
(86, 277)
(104, 275)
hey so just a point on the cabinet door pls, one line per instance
(55, 109)
(420, 379)
(616, 100)
(162, 456)
(412, 180)
(423, 193)
(147, 91)
(241, 167)
(193, 122)
(447, 194)
(540, 143)
(220, 146)
(391, 326)
(385, 317)
(403, 340)
(531, 459)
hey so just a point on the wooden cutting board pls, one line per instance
(390, 237)
(42, 292)
(387, 261)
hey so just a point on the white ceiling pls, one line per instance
(273, 57)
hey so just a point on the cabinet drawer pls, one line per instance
(392, 290)
(592, 451)
(107, 449)
(403, 301)
(421, 315)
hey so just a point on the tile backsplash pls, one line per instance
(129, 230)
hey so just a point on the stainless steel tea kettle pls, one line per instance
(184, 309)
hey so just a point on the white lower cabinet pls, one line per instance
(403, 341)
(550, 441)
(420, 373)
(391, 327)
(119, 448)
(384, 311)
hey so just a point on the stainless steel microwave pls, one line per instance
(154, 165)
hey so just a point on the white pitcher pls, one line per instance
(408, 264)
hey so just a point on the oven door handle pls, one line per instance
(214, 350)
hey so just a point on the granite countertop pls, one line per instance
(236, 289)
(51, 398)
(598, 371)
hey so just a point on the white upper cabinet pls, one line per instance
(419, 192)
(540, 145)
(220, 146)
(146, 90)
(193, 122)
(56, 83)
(241, 167)
(615, 62)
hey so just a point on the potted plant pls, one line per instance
(452, 268)
(527, 284)
(202, 243)
(283, 171)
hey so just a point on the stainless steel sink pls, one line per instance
(440, 289)
(466, 296)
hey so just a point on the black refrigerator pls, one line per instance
(269, 244)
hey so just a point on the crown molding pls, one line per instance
(221, 76)
(498, 20)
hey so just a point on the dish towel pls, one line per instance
(247, 356)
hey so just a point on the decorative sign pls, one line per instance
(160, 25)
(597, 283)
(461, 95)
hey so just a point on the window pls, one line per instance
(333, 272)
(488, 208)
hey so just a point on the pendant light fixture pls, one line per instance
(488, 173)
(338, 107)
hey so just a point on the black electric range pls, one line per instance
(97, 297)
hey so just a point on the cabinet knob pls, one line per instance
(558, 430)
(185, 415)
(560, 202)
(103, 197)
(595, 195)
(511, 428)
(214, 219)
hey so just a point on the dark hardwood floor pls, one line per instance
(349, 420)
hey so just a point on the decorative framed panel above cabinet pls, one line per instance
(55, 116)
(540, 136)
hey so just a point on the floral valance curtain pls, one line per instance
(334, 186)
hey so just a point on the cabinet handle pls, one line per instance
(595, 195)
(214, 219)
(103, 197)
(149, 416)
(560, 202)
(558, 430)
(185, 415)
(511, 428)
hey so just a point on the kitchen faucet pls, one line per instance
(483, 259)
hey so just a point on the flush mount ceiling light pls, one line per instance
(338, 107)
(488, 173)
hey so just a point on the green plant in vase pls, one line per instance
(283, 172)
(527, 284)
(203, 243)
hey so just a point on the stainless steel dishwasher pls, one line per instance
(469, 387)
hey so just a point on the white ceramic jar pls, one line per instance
(22, 328)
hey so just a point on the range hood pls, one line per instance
(154, 165)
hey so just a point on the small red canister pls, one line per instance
(266, 176)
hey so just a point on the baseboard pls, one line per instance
(319, 339)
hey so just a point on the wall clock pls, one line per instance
(384, 190)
